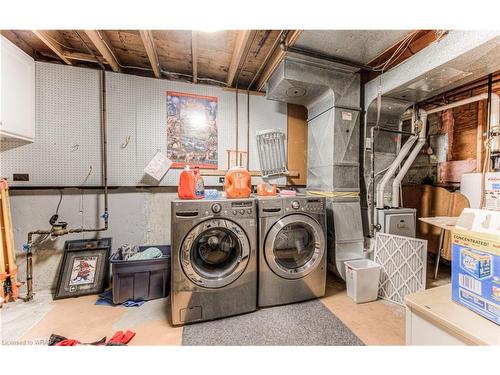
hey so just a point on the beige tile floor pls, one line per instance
(375, 323)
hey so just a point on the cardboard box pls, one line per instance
(475, 275)
(492, 191)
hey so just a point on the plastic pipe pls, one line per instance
(409, 161)
(458, 103)
(390, 172)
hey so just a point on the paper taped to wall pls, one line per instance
(158, 166)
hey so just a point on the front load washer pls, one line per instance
(292, 249)
(214, 259)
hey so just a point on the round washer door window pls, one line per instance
(215, 253)
(294, 246)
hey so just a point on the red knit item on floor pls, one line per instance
(122, 338)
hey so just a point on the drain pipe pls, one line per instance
(60, 229)
(495, 113)
(421, 127)
(392, 169)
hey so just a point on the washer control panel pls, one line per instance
(311, 205)
(237, 209)
(203, 208)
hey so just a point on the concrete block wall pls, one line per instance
(137, 216)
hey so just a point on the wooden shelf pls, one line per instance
(221, 172)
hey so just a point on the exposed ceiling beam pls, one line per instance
(276, 58)
(194, 54)
(52, 39)
(421, 40)
(103, 46)
(18, 41)
(148, 42)
(238, 51)
(79, 56)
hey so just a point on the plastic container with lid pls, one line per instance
(238, 183)
(144, 279)
(266, 189)
(191, 184)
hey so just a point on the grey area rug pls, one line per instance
(306, 323)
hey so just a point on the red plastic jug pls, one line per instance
(238, 183)
(191, 184)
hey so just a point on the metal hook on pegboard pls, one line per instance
(125, 143)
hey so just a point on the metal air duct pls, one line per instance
(331, 93)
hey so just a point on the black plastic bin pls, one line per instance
(140, 279)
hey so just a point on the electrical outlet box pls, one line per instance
(20, 177)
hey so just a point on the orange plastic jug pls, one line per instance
(238, 183)
(191, 184)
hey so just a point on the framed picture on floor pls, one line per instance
(82, 272)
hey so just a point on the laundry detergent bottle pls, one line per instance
(191, 184)
(238, 183)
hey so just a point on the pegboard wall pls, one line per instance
(67, 131)
(68, 135)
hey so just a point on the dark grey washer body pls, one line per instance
(225, 296)
(276, 287)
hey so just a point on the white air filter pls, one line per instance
(404, 266)
(271, 148)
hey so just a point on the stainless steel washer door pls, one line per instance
(294, 246)
(215, 253)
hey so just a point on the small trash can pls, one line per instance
(362, 278)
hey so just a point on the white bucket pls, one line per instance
(362, 278)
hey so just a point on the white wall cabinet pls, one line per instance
(17, 93)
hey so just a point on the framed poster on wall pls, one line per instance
(192, 130)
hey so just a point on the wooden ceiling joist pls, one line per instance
(238, 51)
(147, 40)
(194, 54)
(14, 38)
(80, 56)
(276, 58)
(421, 40)
(52, 39)
(104, 48)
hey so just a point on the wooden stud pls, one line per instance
(194, 55)
(147, 40)
(8, 240)
(98, 38)
(238, 51)
(50, 38)
(276, 58)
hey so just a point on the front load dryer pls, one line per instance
(292, 249)
(214, 259)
